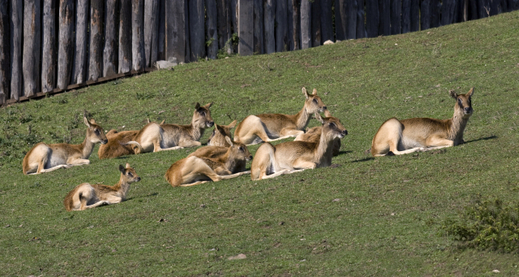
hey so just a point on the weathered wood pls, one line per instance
(372, 18)
(197, 29)
(396, 17)
(138, 62)
(326, 20)
(125, 36)
(161, 51)
(16, 48)
(435, 13)
(361, 18)
(473, 10)
(245, 27)
(425, 14)
(48, 59)
(211, 29)
(31, 46)
(4, 50)
(351, 19)
(385, 17)
(415, 15)
(406, 16)
(306, 24)
(187, 32)
(316, 23)
(109, 52)
(340, 19)
(66, 42)
(281, 26)
(482, 8)
(494, 7)
(175, 34)
(258, 27)
(151, 31)
(448, 12)
(80, 58)
(270, 39)
(292, 27)
(96, 39)
(224, 22)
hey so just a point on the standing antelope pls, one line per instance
(86, 196)
(271, 127)
(49, 157)
(194, 170)
(423, 134)
(271, 161)
(314, 135)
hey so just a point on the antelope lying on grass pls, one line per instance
(194, 170)
(314, 135)
(271, 161)
(422, 134)
(86, 196)
(49, 157)
(217, 138)
(271, 127)
(217, 144)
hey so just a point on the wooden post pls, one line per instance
(315, 20)
(197, 29)
(48, 63)
(385, 17)
(151, 31)
(258, 27)
(31, 47)
(4, 51)
(109, 52)
(406, 16)
(372, 18)
(361, 15)
(448, 12)
(415, 15)
(425, 14)
(80, 64)
(482, 4)
(66, 42)
(125, 36)
(161, 51)
(96, 39)
(211, 29)
(270, 40)
(16, 48)
(306, 24)
(435, 13)
(396, 17)
(340, 19)
(326, 20)
(351, 19)
(187, 32)
(224, 23)
(138, 35)
(281, 26)
(245, 27)
(175, 30)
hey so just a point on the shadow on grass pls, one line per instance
(143, 196)
(364, 160)
(344, 152)
(480, 139)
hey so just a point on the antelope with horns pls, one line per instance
(314, 135)
(49, 157)
(422, 134)
(194, 170)
(86, 196)
(271, 161)
(154, 137)
(271, 127)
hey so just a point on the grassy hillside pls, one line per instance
(362, 216)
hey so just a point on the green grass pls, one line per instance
(363, 216)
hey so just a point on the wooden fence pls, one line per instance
(47, 46)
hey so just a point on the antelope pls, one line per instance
(422, 134)
(271, 127)
(154, 137)
(49, 157)
(86, 196)
(314, 135)
(194, 170)
(217, 138)
(293, 156)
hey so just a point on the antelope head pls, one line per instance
(463, 103)
(239, 150)
(95, 133)
(217, 138)
(313, 103)
(202, 116)
(128, 174)
(332, 126)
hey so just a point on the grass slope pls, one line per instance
(363, 216)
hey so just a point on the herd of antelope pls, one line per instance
(226, 158)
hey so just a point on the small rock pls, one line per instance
(238, 257)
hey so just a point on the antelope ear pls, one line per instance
(128, 165)
(220, 129)
(163, 121)
(327, 113)
(208, 105)
(453, 94)
(305, 93)
(86, 121)
(229, 141)
(314, 92)
(319, 118)
(471, 92)
(122, 169)
(197, 106)
(232, 125)
(92, 121)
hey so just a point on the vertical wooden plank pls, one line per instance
(161, 51)
(245, 27)
(258, 27)
(270, 40)
(473, 10)
(315, 19)
(138, 35)
(211, 27)
(482, 8)
(396, 17)
(415, 15)
(294, 22)
(96, 39)
(494, 5)
(48, 63)
(175, 30)
(361, 15)
(16, 48)
(31, 46)
(66, 42)
(109, 52)
(151, 31)
(326, 20)
(425, 14)
(187, 32)
(385, 17)
(448, 12)
(406, 16)
(80, 63)
(197, 29)
(224, 22)
(372, 18)
(125, 36)
(351, 19)
(291, 25)
(4, 50)
(281, 26)
(340, 19)
(306, 24)
(435, 13)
